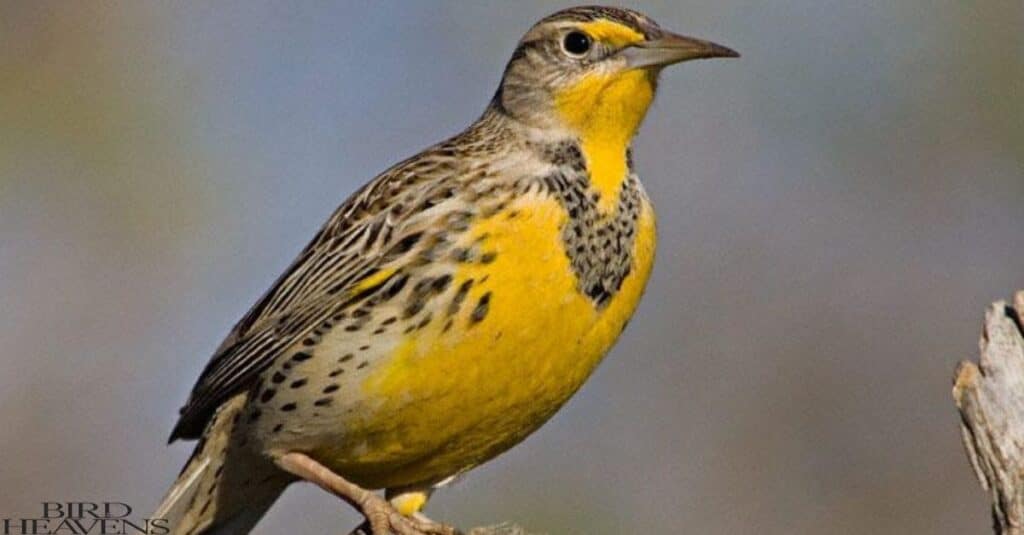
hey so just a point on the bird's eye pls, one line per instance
(576, 43)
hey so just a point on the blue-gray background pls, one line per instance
(836, 209)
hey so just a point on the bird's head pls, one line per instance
(593, 70)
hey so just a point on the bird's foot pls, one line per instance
(381, 517)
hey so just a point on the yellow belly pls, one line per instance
(447, 400)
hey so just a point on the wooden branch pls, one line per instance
(990, 397)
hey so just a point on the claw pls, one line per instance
(381, 517)
(386, 520)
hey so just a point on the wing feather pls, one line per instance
(352, 256)
(329, 274)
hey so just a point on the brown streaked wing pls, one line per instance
(350, 247)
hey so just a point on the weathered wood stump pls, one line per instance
(990, 397)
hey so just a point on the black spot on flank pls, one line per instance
(425, 321)
(482, 306)
(323, 402)
(309, 342)
(301, 356)
(288, 407)
(298, 383)
(219, 471)
(364, 348)
(423, 286)
(406, 244)
(206, 506)
(346, 358)
(447, 325)
(414, 308)
(353, 327)
(394, 287)
(330, 388)
(278, 428)
(462, 255)
(459, 297)
(336, 373)
(441, 283)
(255, 415)
(267, 395)
(380, 330)
(488, 257)
(277, 378)
(363, 364)
(389, 321)
(286, 366)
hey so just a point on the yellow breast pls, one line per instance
(453, 396)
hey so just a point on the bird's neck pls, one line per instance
(604, 113)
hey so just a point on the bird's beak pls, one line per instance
(672, 48)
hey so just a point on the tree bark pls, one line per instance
(990, 397)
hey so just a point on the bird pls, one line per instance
(450, 306)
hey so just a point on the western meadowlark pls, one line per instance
(449, 307)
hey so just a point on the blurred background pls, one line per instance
(836, 209)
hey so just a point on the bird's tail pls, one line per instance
(225, 487)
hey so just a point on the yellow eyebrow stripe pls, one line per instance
(613, 33)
